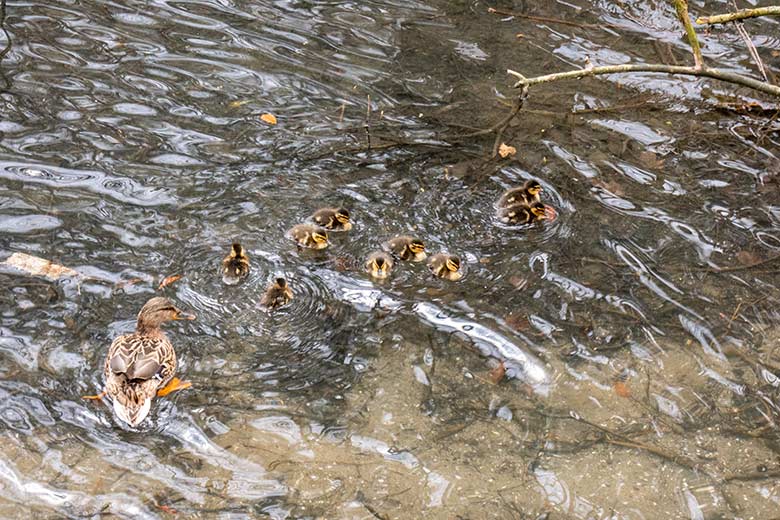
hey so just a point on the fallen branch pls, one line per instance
(740, 15)
(722, 75)
(682, 13)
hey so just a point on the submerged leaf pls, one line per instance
(505, 150)
(497, 374)
(39, 266)
(269, 118)
(621, 389)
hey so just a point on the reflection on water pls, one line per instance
(618, 362)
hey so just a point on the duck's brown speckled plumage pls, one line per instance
(528, 193)
(522, 213)
(139, 364)
(445, 266)
(407, 248)
(333, 219)
(235, 265)
(309, 235)
(277, 294)
(379, 265)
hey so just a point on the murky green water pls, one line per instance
(640, 382)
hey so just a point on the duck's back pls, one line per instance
(140, 357)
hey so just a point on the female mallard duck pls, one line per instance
(277, 294)
(235, 265)
(334, 219)
(141, 366)
(522, 213)
(407, 248)
(379, 264)
(445, 266)
(528, 193)
(309, 235)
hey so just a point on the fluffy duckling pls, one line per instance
(141, 366)
(277, 294)
(407, 248)
(309, 235)
(445, 266)
(379, 265)
(235, 265)
(528, 193)
(522, 213)
(334, 219)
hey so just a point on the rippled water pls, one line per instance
(640, 382)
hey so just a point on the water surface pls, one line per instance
(637, 330)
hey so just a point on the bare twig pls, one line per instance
(682, 13)
(508, 119)
(773, 10)
(502, 124)
(543, 19)
(368, 122)
(706, 72)
(752, 49)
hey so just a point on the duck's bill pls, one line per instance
(184, 316)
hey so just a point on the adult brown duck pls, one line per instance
(141, 366)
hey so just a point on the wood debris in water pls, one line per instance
(36, 266)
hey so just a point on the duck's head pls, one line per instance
(319, 237)
(452, 264)
(237, 251)
(380, 267)
(342, 215)
(417, 246)
(158, 310)
(533, 187)
(538, 210)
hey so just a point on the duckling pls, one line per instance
(407, 248)
(334, 219)
(235, 265)
(528, 193)
(309, 235)
(522, 213)
(141, 366)
(379, 264)
(277, 294)
(445, 266)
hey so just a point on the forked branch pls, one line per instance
(699, 69)
(722, 75)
